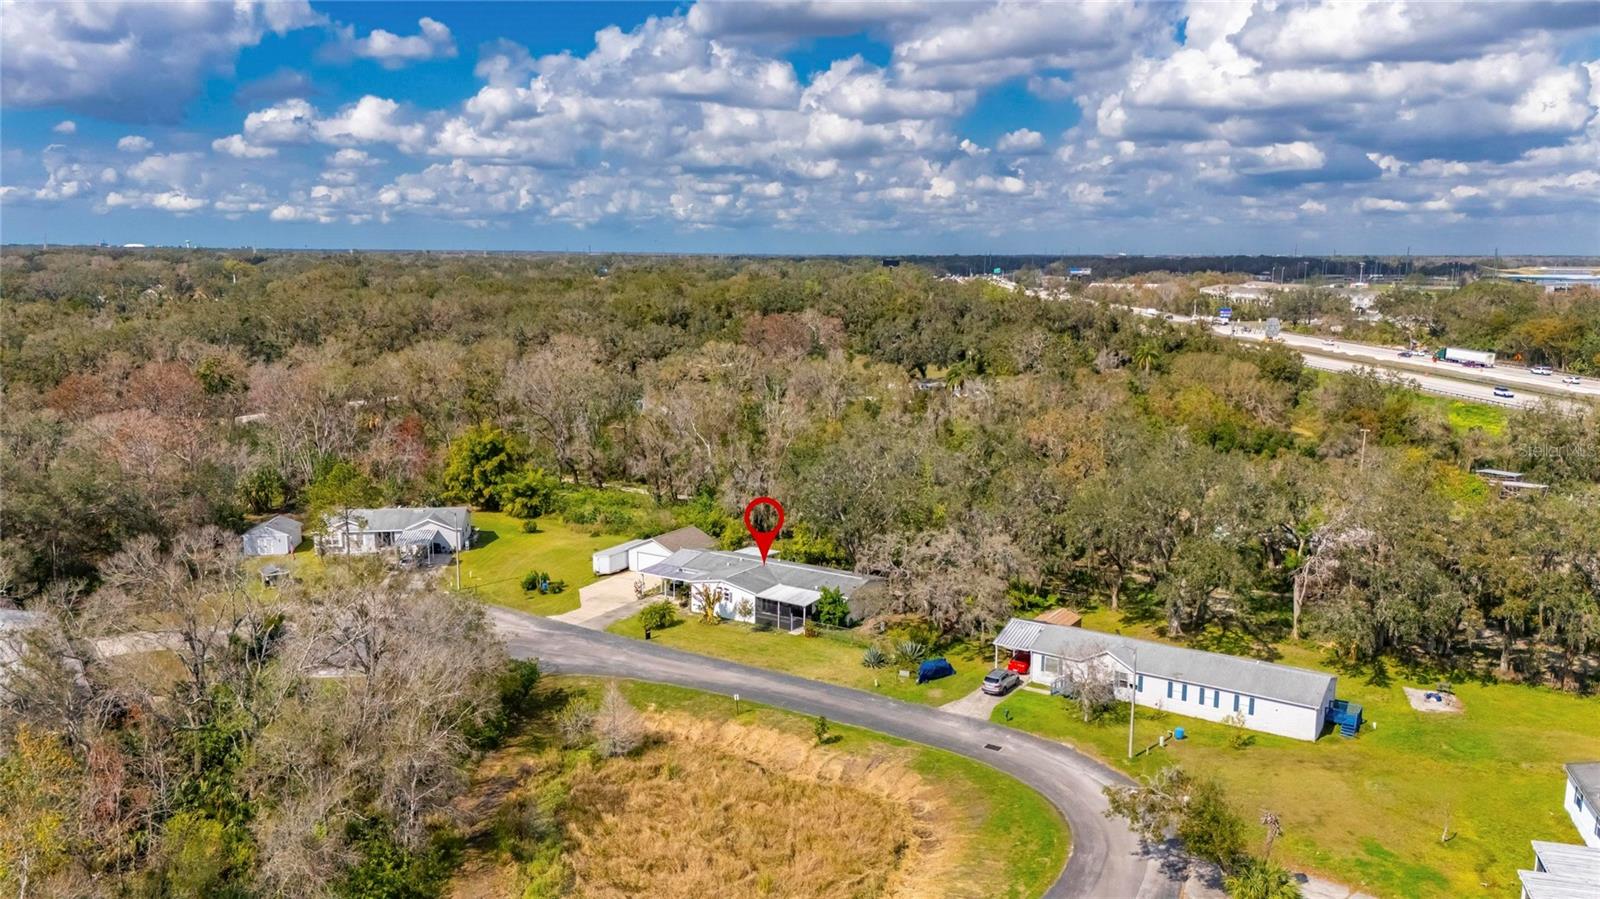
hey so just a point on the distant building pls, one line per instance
(277, 536)
(1551, 278)
(421, 530)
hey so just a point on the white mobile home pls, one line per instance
(1274, 699)
(277, 536)
(1583, 800)
(641, 554)
(431, 530)
(782, 594)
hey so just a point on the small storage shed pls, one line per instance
(613, 559)
(277, 536)
(1062, 617)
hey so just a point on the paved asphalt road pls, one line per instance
(1443, 378)
(1107, 861)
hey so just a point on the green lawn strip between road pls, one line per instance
(834, 659)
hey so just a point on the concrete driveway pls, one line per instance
(604, 602)
(977, 704)
(1107, 860)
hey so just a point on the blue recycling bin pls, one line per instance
(1177, 733)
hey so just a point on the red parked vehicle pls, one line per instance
(1020, 662)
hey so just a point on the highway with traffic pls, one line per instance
(1431, 376)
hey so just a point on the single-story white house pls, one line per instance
(1561, 871)
(277, 536)
(781, 594)
(432, 530)
(1274, 699)
(1582, 800)
(638, 555)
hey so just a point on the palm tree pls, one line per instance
(708, 604)
(1146, 354)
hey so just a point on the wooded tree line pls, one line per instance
(1058, 451)
(177, 733)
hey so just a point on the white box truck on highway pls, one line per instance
(1467, 357)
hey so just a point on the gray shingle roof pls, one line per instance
(746, 573)
(399, 518)
(1586, 776)
(689, 537)
(1297, 686)
(283, 524)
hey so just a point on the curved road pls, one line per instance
(1107, 861)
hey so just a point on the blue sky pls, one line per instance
(805, 127)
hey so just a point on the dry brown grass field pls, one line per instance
(735, 806)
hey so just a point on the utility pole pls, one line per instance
(1133, 700)
(1362, 465)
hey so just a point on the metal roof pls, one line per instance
(400, 518)
(704, 566)
(1297, 686)
(793, 596)
(1586, 777)
(1543, 885)
(1567, 860)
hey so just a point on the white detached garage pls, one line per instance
(277, 536)
(641, 554)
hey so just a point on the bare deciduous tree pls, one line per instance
(618, 726)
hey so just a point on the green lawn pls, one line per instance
(493, 569)
(830, 659)
(1369, 812)
(1019, 842)
(1463, 416)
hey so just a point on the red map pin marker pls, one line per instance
(763, 539)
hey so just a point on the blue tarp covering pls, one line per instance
(933, 669)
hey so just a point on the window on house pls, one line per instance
(1577, 799)
(1185, 692)
(1236, 702)
(1216, 699)
(1202, 695)
(1252, 705)
(1140, 688)
(1169, 689)
(1122, 681)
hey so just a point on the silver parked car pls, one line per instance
(999, 682)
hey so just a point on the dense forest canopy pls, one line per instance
(1065, 448)
(987, 452)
